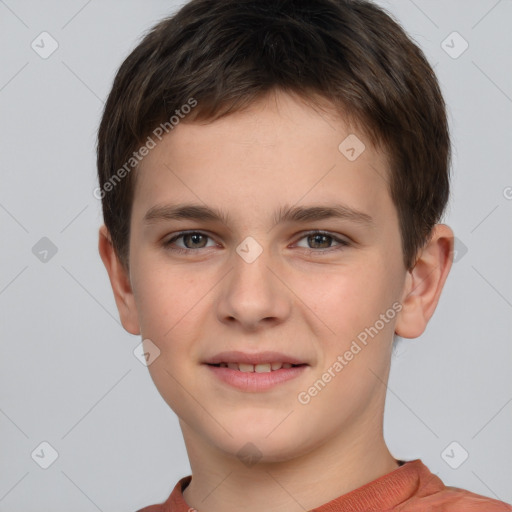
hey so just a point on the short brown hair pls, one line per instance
(225, 54)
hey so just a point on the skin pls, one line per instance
(303, 296)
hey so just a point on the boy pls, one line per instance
(257, 130)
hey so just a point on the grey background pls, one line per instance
(68, 375)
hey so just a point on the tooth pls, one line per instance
(276, 366)
(233, 366)
(287, 365)
(262, 368)
(246, 367)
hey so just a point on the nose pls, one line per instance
(253, 295)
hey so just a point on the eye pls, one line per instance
(192, 240)
(318, 242)
(323, 240)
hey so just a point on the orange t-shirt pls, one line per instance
(409, 488)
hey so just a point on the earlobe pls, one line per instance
(424, 283)
(120, 282)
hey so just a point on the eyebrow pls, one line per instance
(284, 214)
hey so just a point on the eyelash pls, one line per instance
(179, 250)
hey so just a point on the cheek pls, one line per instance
(165, 297)
(349, 304)
(170, 305)
(350, 297)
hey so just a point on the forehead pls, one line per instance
(278, 151)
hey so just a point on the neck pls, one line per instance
(222, 483)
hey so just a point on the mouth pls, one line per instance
(264, 374)
(257, 367)
(254, 372)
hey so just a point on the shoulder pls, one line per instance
(175, 502)
(453, 499)
(430, 494)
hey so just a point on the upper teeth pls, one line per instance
(259, 368)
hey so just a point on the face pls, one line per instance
(260, 273)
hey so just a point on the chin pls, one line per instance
(262, 445)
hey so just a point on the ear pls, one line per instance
(424, 283)
(120, 282)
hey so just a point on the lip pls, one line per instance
(253, 381)
(255, 358)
